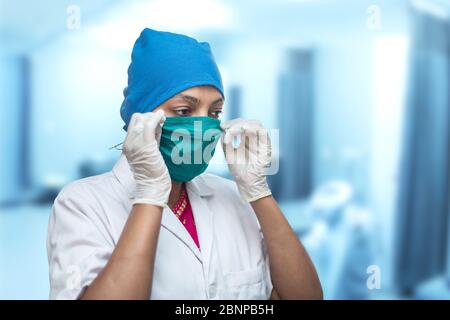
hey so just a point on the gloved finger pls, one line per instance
(152, 120)
(227, 145)
(239, 122)
(133, 120)
(251, 134)
(250, 130)
(158, 130)
(251, 126)
(135, 128)
(151, 124)
(226, 138)
(250, 139)
(264, 146)
(228, 124)
(263, 137)
(236, 129)
(136, 125)
(252, 123)
(140, 124)
(229, 151)
(243, 129)
(232, 133)
(224, 146)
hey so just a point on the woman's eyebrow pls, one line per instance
(194, 101)
(190, 99)
(217, 102)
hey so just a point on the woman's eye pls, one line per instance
(182, 112)
(216, 114)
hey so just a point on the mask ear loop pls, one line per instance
(116, 147)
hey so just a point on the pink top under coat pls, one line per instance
(183, 211)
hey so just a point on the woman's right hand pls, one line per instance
(141, 148)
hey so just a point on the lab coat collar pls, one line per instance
(197, 188)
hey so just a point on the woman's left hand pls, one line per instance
(248, 162)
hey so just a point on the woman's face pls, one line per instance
(196, 101)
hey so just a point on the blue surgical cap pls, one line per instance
(164, 64)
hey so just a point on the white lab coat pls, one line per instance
(88, 217)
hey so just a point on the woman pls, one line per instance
(156, 226)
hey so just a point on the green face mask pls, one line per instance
(187, 145)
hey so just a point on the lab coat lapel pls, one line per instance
(197, 191)
(174, 225)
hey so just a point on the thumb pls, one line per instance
(153, 120)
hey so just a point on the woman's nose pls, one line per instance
(201, 112)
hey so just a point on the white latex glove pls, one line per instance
(141, 148)
(248, 162)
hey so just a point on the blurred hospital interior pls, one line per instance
(357, 92)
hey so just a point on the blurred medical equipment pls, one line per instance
(336, 234)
